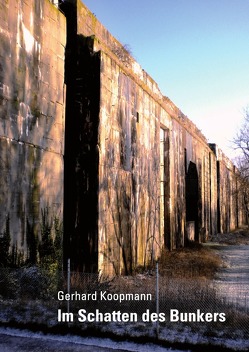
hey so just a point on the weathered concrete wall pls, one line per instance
(229, 206)
(130, 192)
(132, 112)
(156, 172)
(129, 138)
(32, 51)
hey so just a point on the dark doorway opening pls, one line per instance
(192, 198)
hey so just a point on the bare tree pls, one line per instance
(241, 144)
(241, 140)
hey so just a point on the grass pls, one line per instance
(193, 261)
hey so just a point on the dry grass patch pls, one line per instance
(197, 261)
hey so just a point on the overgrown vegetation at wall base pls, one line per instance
(44, 245)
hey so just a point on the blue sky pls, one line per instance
(196, 50)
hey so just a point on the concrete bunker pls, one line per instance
(93, 132)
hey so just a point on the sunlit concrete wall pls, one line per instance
(189, 148)
(131, 114)
(32, 51)
(129, 167)
(230, 203)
